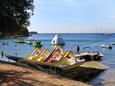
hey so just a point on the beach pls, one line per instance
(13, 74)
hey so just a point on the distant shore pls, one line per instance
(14, 74)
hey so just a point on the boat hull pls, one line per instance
(81, 73)
(14, 58)
(75, 71)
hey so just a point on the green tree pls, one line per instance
(14, 16)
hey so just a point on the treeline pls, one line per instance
(14, 16)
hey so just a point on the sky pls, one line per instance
(73, 16)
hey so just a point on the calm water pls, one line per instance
(72, 40)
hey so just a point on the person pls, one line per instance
(78, 49)
(110, 47)
(2, 53)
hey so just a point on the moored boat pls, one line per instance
(87, 56)
(61, 62)
(106, 46)
(4, 42)
(64, 63)
(113, 43)
(57, 40)
(36, 43)
(19, 41)
(14, 58)
(79, 71)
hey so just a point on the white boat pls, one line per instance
(106, 46)
(57, 40)
(108, 34)
(87, 56)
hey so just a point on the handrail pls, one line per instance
(64, 56)
(31, 53)
(41, 53)
(51, 54)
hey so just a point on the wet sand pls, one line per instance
(15, 75)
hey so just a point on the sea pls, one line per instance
(86, 41)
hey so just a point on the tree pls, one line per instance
(14, 15)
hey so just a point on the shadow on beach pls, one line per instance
(12, 74)
(16, 78)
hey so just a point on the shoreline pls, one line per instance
(17, 74)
